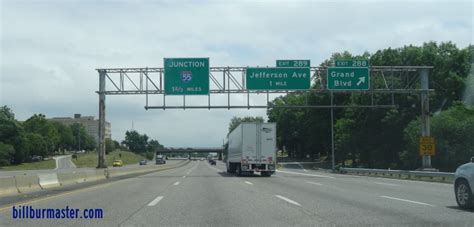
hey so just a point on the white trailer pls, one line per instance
(252, 148)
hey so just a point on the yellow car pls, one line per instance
(118, 163)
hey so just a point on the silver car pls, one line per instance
(464, 184)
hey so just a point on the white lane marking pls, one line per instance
(309, 182)
(305, 174)
(248, 182)
(301, 166)
(218, 170)
(388, 184)
(288, 200)
(184, 176)
(406, 200)
(176, 183)
(155, 201)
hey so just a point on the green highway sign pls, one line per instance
(351, 63)
(186, 76)
(348, 78)
(278, 78)
(293, 63)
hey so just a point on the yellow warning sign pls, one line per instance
(427, 146)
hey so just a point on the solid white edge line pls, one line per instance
(406, 200)
(176, 183)
(301, 166)
(248, 182)
(309, 182)
(288, 200)
(305, 174)
(155, 201)
(388, 184)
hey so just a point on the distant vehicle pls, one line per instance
(252, 147)
(117, 163)
(212, 162)
(36, 158)
(142, 162)
(464, 184)
(160, 159)
(202, 159)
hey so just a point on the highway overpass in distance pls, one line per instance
(189, 150)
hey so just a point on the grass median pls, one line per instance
(90, 159)
(47, 164)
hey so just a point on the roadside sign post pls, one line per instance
(186, 76)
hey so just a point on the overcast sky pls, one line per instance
(50, 49)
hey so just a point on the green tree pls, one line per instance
(6, 113)
(109, 145)
(154, 145)
(136, 142)
(450, 129)
(35, 144)
(82, 140)
(66, 137)
(6, 153)
(38, 124)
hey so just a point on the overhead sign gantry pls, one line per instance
(194, 76)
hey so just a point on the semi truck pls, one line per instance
(252, 148)
(160, 159)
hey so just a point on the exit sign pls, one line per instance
(351, 63)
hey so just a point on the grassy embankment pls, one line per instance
(48, 164)
(90, 159)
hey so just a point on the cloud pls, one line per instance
(50, 49)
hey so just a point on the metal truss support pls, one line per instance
(387, 82)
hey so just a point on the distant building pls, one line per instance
(91, 125)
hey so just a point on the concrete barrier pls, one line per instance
(7, 186)
(48, 180)
(27, 183)
(94, 175)
(71, 178)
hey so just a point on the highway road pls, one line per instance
(198, 194)
(64, 162)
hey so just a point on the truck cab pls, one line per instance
(160, 159)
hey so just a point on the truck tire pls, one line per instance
(464, 196)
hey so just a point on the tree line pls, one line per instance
(37, 136)
(387, 138)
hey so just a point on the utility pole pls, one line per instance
(101, 150)
(425, 115)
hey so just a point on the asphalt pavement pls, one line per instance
(199, 194)
(64, 162)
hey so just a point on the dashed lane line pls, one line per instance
(288, 200)
(155, 201)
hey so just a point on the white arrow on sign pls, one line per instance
(361, 80)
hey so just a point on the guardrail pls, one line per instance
(402, 174)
